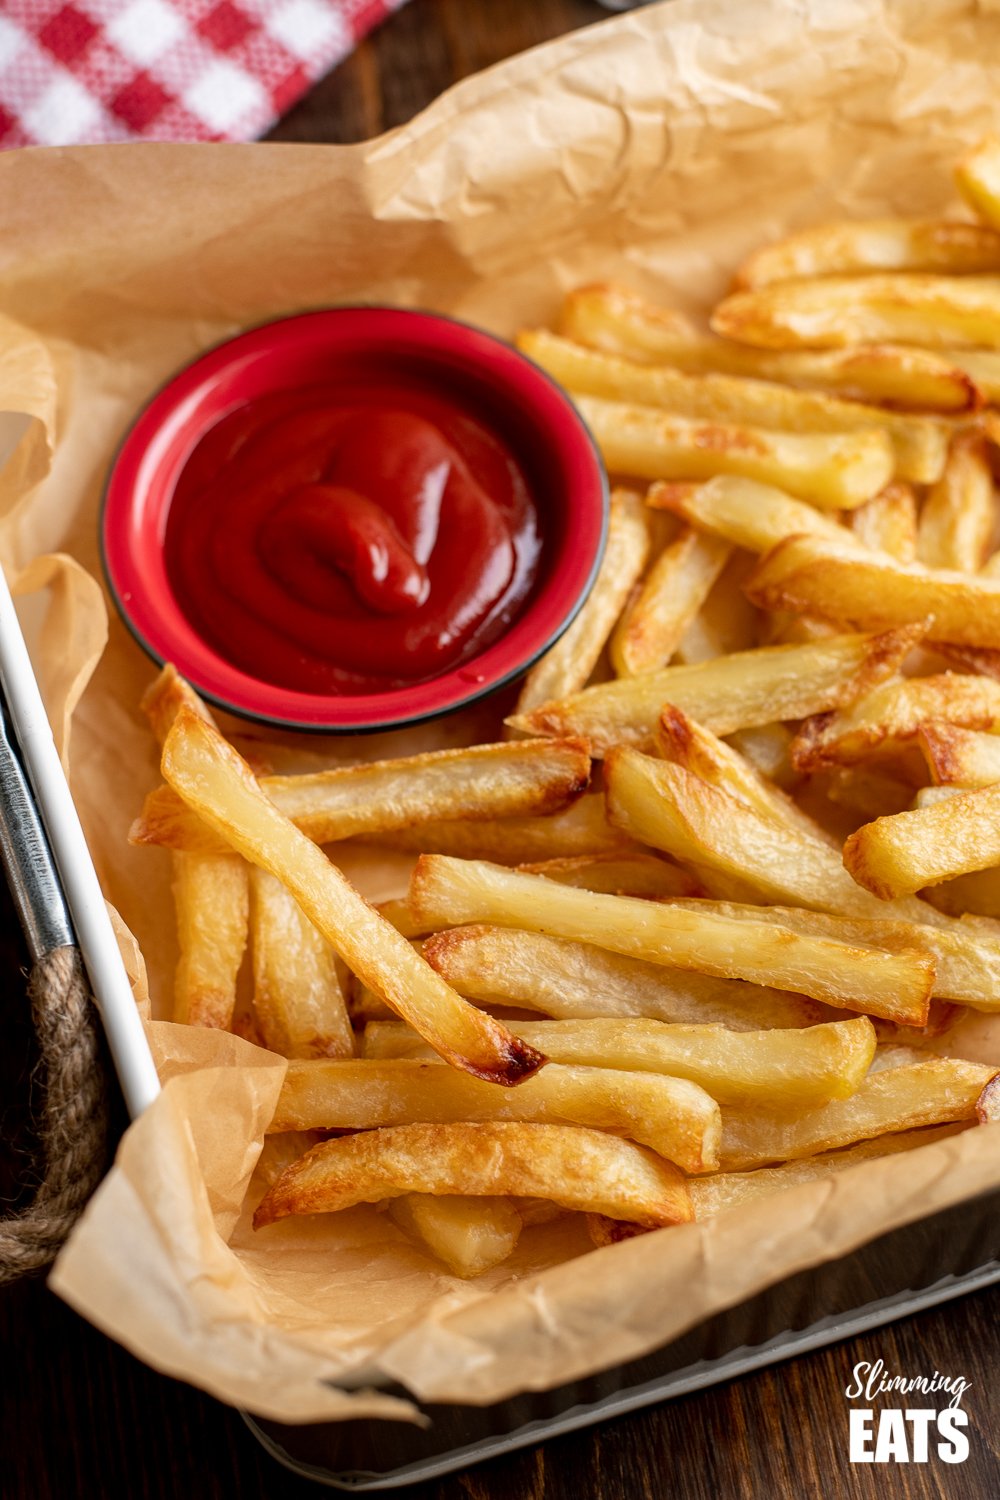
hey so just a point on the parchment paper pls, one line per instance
(656, 149)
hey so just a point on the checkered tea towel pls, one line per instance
(79, 71)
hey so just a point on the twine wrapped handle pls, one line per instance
(73, 1125)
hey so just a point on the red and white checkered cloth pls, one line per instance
(80, 71)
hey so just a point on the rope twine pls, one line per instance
(73, 1127)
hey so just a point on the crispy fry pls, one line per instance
(888, 523)
(928, 1093)
(978, 179)
(833, 470)
(673, 591)
(740, 691)
(754, 516)
(959, 757)
(831, 312)
(567, 666)
(615, 320)
(686, 743)
(298, 1000)
(727, 621)
(219, 786)
(723, 1190)
(949, 246)
(582, 829)
(570, 980)
(894, 712)
(451, 891)
(873, 591)
(902, 853)
(585, 1170)
(165, 697)
(470, 1235)
(618, 875)
(795, 1068)
(767, 749)
(673, 1117)
(919, 443)
(958, 517)
(212, 900)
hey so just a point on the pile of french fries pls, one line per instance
(701, 927)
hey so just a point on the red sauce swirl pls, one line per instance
(333, 540)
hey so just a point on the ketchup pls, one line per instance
(339, 540)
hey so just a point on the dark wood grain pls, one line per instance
(81, 1418)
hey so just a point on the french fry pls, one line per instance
(867, 791)
(618, 875)
(567, 666)
(796, 1068)
(902, 853)
(959, 757)
(959, 514)
(834, 311)
(966, 962)
(751, 515)
(894, 712)
(767, 749)
(938, 1091)
(686, 743)
(498, 965)
(949, 246)
(982, 367)
(741, 691)
(166, 695)
(617, 321)
(676, 586)
(580, 830)
(834, 470)
(978, 179)
(471, 1235)
(221, 789)
(919, 443)
(298, 1001)
(968, 895)
(211, 895)
(724, 1190)
(727, 621)
(673, 1117)
(450, 891)
(579, 1169)
(875, 592)
(168, 822)
(888, 523)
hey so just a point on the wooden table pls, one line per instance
(81, 1418)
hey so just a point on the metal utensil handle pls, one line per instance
(27, 858)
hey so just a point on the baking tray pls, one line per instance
(911, 1268)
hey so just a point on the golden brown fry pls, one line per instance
(212, 900)
(610, 318)
(978, 179)
(754, 516)
(471, 1235)
(220, 787)
(618, 875)
(673, 1117)
(499, 965)
(165, 697)
(848, 248)
(834, 311)
(873, 591)
(928, 1093)
(959, 757)
(888, 523)
(298, 1000)
(896, 855)
(567, 666)
(686, 743)
(919, 443)
(580, 830)
(958, 517)
(579, 1169)
(894, 712)
(724, 1190)
(727, 621)
(740, 691)
(672, 593)
(793, 1068)
(450, 891)
(167, 821)
(835, 470)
